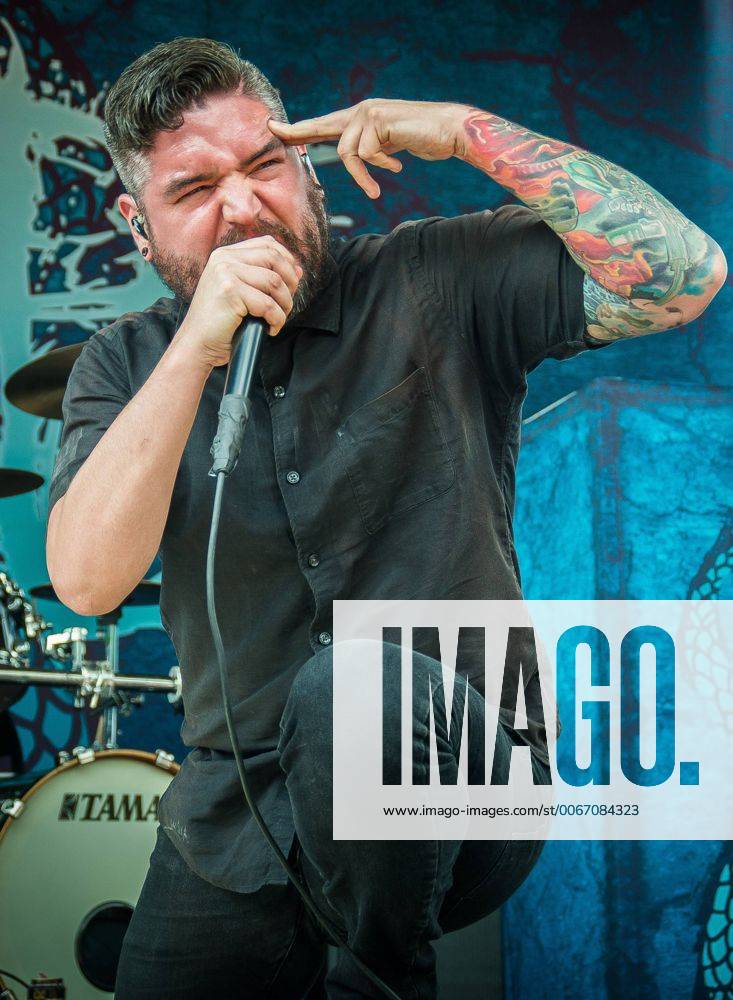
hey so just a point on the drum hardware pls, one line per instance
(97, 684)
(20, 628)
(42, 988)
(113, 698)
(71, 645)
(108, 724)
(165, 760)
(97, 806)
(37, 989)
(67, 645)
(84, 755)
(45, 988)
(98, 681)
(16, 604)
(11, 807)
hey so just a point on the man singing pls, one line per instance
(379, 462)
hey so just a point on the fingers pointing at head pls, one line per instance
(311, 129)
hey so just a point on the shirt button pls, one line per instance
(324, 638)
(293, 477)
(278, 391)
(313, 559)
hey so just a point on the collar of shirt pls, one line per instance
(324, 310)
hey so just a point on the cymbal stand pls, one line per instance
(107, 729)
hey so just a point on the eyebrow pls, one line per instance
(179, 183)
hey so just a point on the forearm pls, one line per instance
(622, 233)
(108, 526)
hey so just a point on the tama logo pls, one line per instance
(96, 806)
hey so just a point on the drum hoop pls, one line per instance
(142, 755)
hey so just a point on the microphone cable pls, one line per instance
(233, 418)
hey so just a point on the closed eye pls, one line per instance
(202, 187)
(207, 187)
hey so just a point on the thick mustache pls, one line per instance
(239, 235)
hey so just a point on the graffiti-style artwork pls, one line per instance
(714, 581)
(75, 250)
(716, 960)
(68, 268)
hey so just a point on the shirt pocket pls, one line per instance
(395, 452)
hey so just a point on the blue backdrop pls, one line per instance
(647, 85)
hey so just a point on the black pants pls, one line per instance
(191, 940)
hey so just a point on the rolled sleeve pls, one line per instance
(97, 390)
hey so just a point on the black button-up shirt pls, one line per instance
(379, 463)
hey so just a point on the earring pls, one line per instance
(144, 251)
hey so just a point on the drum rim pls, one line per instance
(146, 756)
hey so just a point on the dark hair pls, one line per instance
(153, 92)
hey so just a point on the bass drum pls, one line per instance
(74, 851)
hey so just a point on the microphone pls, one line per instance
(235, 404)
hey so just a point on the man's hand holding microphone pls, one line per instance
(101, 541)
(257, 277)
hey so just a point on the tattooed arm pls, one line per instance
(647, 267)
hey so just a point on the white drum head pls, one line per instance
(72, 865)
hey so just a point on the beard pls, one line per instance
(181, 273)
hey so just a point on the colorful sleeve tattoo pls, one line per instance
(647, 267)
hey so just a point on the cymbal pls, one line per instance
(13, 482)
(38, 386)
(146, 594)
